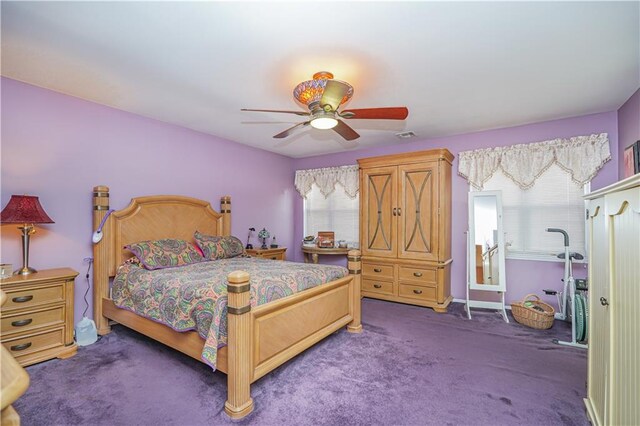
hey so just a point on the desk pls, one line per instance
(311, 252)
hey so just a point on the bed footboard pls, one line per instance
(261, 339)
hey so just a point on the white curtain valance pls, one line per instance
(580, 156)
(327, 178)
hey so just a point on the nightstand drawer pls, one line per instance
(276, 256)
(35, 343)
(375, 286)
(12, 324)
(33, 297)
(268, 253)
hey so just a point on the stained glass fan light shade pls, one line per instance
(311, 91)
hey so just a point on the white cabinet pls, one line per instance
(614, 304)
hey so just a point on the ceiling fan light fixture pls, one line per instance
(311, 91)
(324, 123)
(323, 97)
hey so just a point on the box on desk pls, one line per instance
(326, 239)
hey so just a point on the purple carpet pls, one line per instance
(410, 366)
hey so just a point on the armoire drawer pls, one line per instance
(375, 286)
(418, 292)
(12, 324)
(421, 276)
(376, 270)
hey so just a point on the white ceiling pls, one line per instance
(458, 67)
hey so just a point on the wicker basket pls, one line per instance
(533, 312)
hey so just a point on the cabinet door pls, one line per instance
(598, 313)
(377, 203)
(623, 212)
(418, 211)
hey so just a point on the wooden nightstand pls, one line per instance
(37, 319)
(269, 253)
(14, 383)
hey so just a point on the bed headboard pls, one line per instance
(147, 218)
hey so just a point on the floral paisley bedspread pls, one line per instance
(194, 297)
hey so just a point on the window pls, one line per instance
(338, 213)
(554, 201)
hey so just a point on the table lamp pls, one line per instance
(24, 209)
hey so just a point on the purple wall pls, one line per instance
(522, 276)
(628, 127)
(58, 147)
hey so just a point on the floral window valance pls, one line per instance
(580, 156)
(327, 178)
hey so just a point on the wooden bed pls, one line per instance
(259, 339)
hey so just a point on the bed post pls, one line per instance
(239, 370)
(100, 259)
(225, 209)
(355, 269)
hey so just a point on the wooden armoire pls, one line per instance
(405, 227)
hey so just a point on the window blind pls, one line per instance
(337, 212)
(554, 201)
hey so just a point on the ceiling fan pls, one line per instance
(323, 96)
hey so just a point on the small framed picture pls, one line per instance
(629, 161)
(636, 156)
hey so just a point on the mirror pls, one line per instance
(486, 242)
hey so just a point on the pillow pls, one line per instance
(167, 253)
(216, 247)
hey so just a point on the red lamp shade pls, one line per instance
(24, 209)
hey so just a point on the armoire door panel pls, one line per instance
(418, 214)
(379, 205)
(623, 210)
(598, 313)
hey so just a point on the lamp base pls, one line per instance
(25, 270)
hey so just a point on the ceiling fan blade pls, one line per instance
(287, 132)
(334, 92)
(277, 110)
(345, 131)
(392, 113)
